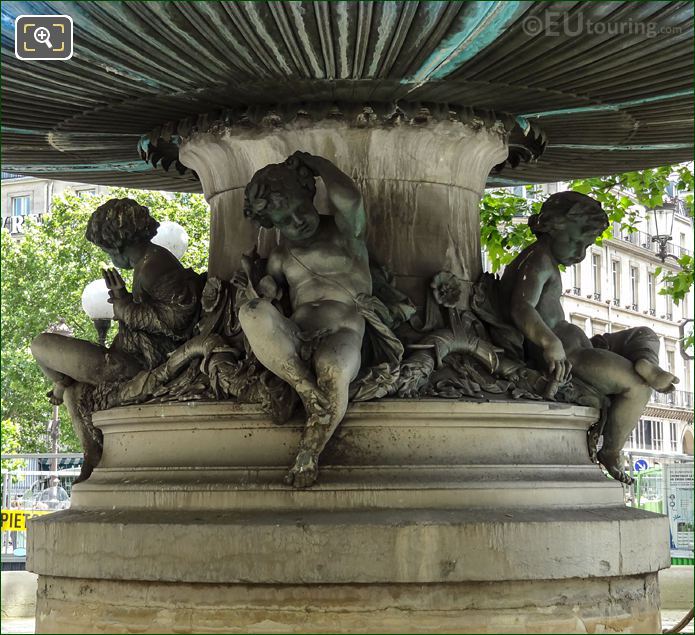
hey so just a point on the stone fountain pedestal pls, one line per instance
(429, 516)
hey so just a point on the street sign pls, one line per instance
(16, 519)
(641, 464)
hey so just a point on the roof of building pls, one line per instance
(604, 87)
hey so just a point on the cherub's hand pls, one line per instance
(559, 366)
(115, 284)
(268, 288)
(309, 160)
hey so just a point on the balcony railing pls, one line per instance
(677, 398)
(644, 240)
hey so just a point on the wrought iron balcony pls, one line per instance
(644, 240)
(677, 398)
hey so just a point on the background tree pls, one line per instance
(44, 275)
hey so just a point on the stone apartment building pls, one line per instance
(25, 197)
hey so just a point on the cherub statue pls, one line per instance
(324, 263)
(623, 366)
(153, 320)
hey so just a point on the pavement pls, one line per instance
(17, 625)
(669, 618)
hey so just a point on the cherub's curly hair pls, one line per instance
(569, 208)
(269, 187)
(119, 222)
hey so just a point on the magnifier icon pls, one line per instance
(43, 36)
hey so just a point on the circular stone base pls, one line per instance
(428, 516)
(616, 605)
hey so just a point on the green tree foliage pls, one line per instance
(503, 237)
(43, 276)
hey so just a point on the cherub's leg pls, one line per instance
(274, 339)
(337, 362)
(73, 365)
(65, 360)
(90, 437)
(614, 375)
(641, 346)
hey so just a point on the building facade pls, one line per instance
(27, 197)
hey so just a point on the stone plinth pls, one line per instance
(429, 516)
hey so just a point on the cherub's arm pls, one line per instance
(532, 274)
(343, 194)
(271, 284)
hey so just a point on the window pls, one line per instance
(669, 307)
(687, 386)
(634, 286)
(648, 435)
(86, 193)
(617, 231)
(682, 239)
(21, 205)
(596, 273)
(615, 272)
(671, 361)
(598, 327)
(651, 286)
(576, 279)
(578, 321)
(657, 435)
(674, 436)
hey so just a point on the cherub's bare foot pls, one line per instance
(304, 471)
(92, 456)
(658, 378)
(55, 396)
(611, 461)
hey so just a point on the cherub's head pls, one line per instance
(117, 226)
(573, 221)
(281, 195)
